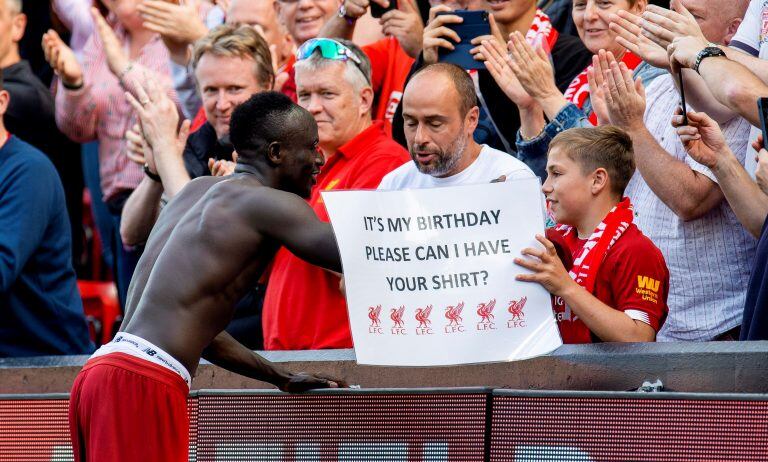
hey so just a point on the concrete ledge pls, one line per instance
(721, 367)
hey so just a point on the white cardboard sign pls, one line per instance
(430, 277)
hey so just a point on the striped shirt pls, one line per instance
(709, 258)
(99, 110)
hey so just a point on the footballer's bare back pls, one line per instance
(208, 248)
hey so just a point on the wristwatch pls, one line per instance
(707, 52)
(343, 14)
(152, 175)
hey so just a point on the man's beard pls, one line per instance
(446, 159)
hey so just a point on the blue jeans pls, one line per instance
(124, 259)
(101, 215)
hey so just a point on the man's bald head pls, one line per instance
(458, 79)
(440, 115)
(718, 19)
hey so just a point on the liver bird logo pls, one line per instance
(422, 315)
(396, 314)
(373, 315)
(453, 314)
(516, 308)
(485, 310)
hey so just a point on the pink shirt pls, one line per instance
(99, 110)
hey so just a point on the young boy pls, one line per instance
(617, 287)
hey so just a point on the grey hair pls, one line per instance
(14, 5)
(358, 77)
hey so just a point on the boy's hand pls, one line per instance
(547, 268)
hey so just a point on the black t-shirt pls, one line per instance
(754, 326)
(202, 145)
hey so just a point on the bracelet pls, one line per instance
(73, 87)
(152, 175)
(125, 71)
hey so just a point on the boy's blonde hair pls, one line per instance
(605, 147)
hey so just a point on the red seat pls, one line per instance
(102, 309)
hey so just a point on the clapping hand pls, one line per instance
(117, 60)
(495, 36)
(629, 34)
(625, 98)
(498, 64)
(62, 59)
(221, 167)
(596, 83)
(179, 23)
(138, 149)
(663, 26)
(532, 67)
(159, 118)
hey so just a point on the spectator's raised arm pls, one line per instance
(159, 121)
(179, 25)
(76, 113)
(704, 142)
(680, 34)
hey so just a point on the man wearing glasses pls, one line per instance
(304, 307)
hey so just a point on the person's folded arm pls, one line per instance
(704, 142)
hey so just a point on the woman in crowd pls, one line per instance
(526, 75)
(91, 104)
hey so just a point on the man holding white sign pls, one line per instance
(441, 113)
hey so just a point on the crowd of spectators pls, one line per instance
(131, 100)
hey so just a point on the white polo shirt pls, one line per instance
(489, 165)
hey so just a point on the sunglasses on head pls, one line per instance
(329, 49)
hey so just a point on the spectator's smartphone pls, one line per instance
(475, 24)
(762, 108)
(378, 11)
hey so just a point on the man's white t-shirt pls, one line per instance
(489, 165)
(752, 38)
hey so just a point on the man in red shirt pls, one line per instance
(304, 307)
(616, 290)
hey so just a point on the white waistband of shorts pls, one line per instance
(140, 348)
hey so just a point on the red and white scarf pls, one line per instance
(587, 264)
(541, 32)
(578, 91)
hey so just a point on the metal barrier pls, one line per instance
(723, 367)
(475, 424)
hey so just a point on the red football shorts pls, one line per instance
(124, 408)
